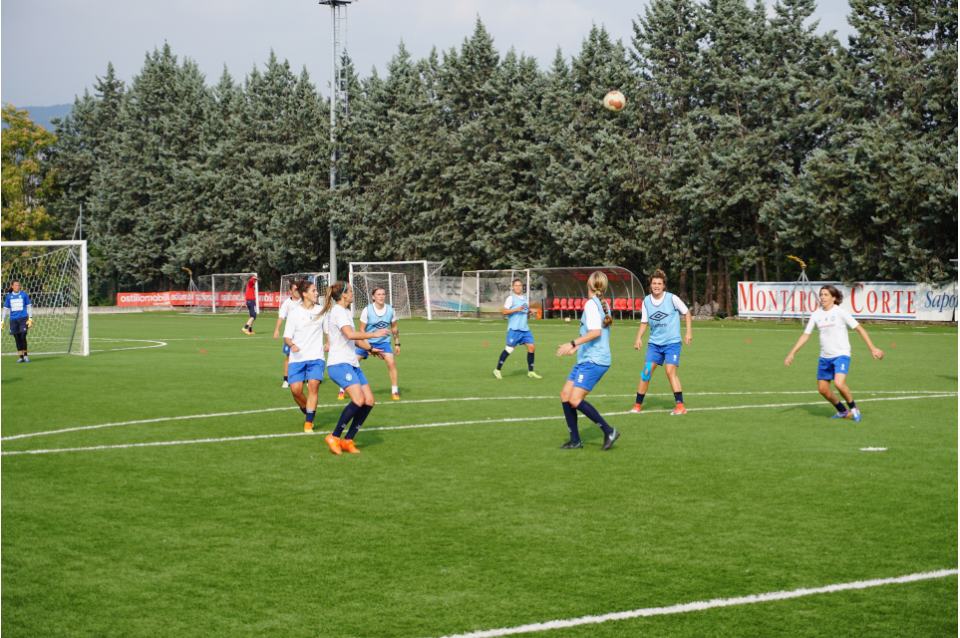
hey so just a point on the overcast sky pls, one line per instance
(53, 50)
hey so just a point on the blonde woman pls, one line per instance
(343, 367)
(593, 360)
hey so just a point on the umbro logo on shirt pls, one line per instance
(659, 316)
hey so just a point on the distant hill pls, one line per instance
(43, 115)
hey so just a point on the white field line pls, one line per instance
(188, 417)
(442, 424)
(155, 344)
(703, 605)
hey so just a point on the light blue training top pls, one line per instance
(598, 350)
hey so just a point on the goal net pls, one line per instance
(394, 284)
(54, 275)
(221, 293)
(551, 292)
(322, 279)
(409, 285)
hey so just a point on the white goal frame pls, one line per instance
(84, 291)
(419, 267)
(211, 303)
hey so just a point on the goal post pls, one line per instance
(416, 276)
(556, 291)
(321, 279)
(54, 275)
(222, 293)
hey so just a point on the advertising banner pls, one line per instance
(895, 301)
(178, 298)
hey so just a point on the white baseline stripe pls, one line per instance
(188, 417)
(705, 604)
(443, 424)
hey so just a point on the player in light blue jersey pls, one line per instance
(377, 316)
(18, 307)
(593, 361)
(661, 312)
(517, 311)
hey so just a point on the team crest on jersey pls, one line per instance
(659, 315)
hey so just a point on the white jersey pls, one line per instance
(832, 324)
(342, 350)
(305, 328)
(287, 304)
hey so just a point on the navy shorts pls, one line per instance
(252, 308)
(18, 326)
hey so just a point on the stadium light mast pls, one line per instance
(338, 99)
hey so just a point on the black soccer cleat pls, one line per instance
(572, 445)
(608, 441)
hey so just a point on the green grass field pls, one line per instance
(185, 500)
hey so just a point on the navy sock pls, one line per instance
(310, 414)
(640, 398)
(285, 378)
(348, 413)
(852, 404)
(678, 397)
(304, 410)
(570, 414)
(530, 361)
(839, 407)
(591, 413)
(503, 357)
(358, 420)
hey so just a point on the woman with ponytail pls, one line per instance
(343, 367)
(593, 360)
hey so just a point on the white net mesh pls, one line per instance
(395, 285)
(411, 281)
(52, 276)
(322, 279)
(552, 292)
(220, 293)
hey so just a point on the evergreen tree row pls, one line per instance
(747, 137)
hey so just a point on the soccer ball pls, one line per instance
(614, 101)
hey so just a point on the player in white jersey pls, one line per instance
(344, 367)
(303, 333)
(285, 307)
(834, 364)
(377, 316)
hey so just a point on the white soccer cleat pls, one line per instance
(497, 374)
(285, 384)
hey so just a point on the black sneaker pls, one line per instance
(572, 445)
(608, 441)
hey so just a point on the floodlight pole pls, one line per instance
(338, 94)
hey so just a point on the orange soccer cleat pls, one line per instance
(637, 408)
(333, 443)
(307, 426)
(395, 396)
(347, 445)
(679, 410)
(341, 395)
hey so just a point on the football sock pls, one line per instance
(285, 378)
(852, 404)
(839, 407)
(348, 413)
(591, 413)
(530, 361)
(304, 410)
(395, 389)
(358, 420)
(640, 398)
(503, 357)
(570, 415)
(678, 397)
(310, 414)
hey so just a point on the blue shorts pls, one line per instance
(586, 375)
(668, 353)
(252, 308)
(519, 337)
(286, 349)
(346, 375)
(385, 346)
(300, 371)
(827, 369)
